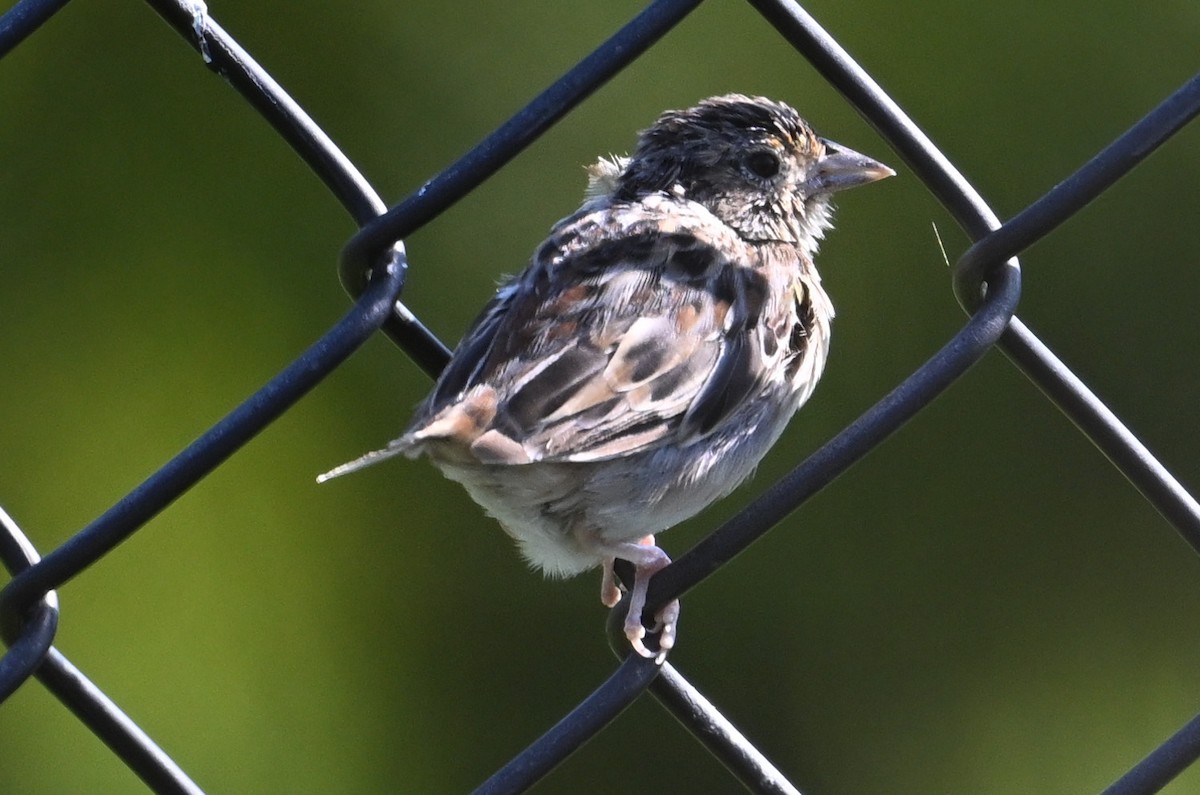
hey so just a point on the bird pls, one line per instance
(653, 349)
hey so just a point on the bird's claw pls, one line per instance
(665, 623)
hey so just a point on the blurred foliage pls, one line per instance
(980, 606)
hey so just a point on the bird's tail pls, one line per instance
(362, 462)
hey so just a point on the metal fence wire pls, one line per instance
(986, 281)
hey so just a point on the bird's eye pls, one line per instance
(764, 163)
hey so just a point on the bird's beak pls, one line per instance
(840, 168)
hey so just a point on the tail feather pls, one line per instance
(362, 462)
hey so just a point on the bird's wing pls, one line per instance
(635, 325)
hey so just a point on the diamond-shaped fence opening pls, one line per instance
(374, 268)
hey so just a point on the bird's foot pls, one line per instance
(647, 560)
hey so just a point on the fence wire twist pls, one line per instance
(986, 281)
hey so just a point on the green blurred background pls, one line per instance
(981, 606)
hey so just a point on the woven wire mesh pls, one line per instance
(374, 268)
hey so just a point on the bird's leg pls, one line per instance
(647, 560)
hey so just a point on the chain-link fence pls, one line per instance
(374, 266)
